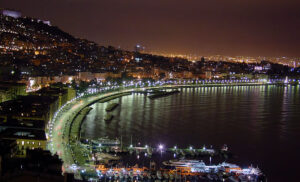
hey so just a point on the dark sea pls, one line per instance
(260, 124)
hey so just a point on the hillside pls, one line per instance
(30, 47)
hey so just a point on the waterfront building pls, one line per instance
(64, 94)
(28, 111)
(10, 91)
(25, 139)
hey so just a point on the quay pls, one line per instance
(184, 170)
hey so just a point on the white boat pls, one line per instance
(105, 141)
(158, 174)
(225, 164)
(182, 163)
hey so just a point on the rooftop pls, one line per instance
(12, 133)
(51, 91)
(30, 106)
(24, 123)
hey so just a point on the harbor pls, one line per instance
(96, 157)
(115, 146)
(221, 172)
(136, 163)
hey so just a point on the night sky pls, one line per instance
(203, 27)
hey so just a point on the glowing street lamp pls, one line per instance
(161, 147)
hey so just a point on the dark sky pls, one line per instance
(204, 27)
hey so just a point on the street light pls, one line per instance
(160, 147)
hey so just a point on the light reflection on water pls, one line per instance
(261, 124)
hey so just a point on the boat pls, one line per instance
(180, 163)
(158, 174)
(108, 117)
(111, 107)
(105, 141)
(163, 94)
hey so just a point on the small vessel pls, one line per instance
(181, 162)
(158, 174)
(105, 141)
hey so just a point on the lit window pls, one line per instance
(22, 142)
(27, 142)
(39, 143)
(33, 143)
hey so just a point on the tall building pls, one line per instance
(32, 112)
(64, 94)
(25, 139)
(10, 91)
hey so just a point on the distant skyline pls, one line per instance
(231, 27)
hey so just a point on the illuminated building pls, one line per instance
(25, 139)
(10, 91)
(28, 111)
